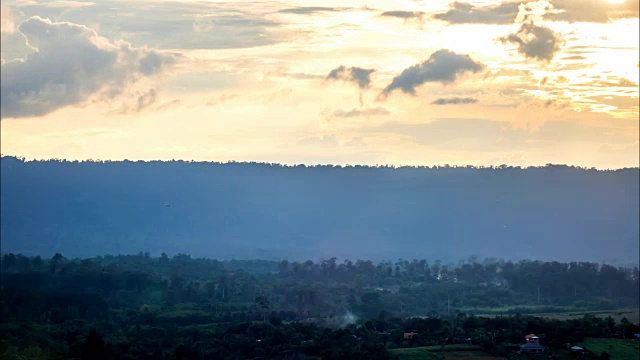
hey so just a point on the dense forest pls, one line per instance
(144, 307)
(270, 211)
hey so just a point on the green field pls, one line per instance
(470, 355)
(417, 353)
(458, 351)
(620, 349)
(632, 314)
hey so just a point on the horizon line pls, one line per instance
(503, 166)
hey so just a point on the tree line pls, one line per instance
(227, 290)
(179, 307)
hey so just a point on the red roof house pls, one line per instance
(532, 338)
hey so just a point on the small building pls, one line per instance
(577, 349)
(532, 338)
(409, 335)
(532, 348)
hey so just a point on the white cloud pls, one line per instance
(204, 24)
(366, 112)
(466, 13)
(66, 4)
(71, 62)
(593, 10)
(7, 21)
(598, 11)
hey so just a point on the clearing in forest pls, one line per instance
(619, 349)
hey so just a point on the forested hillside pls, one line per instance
(179, 308)
(251, 210)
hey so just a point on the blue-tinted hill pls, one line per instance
(250, 210)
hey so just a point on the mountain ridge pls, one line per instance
(262, 210)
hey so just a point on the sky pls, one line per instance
(396, 82)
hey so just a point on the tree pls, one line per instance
(283, 267)
(625, 322)
(263, 304)
(8, 261)
(37, 263)
(55, 265)
(94, 345)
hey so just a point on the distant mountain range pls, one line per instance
(254, 210)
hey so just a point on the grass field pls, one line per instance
(418, 353)
(619, 349)
(470, 355)
(633, 315)
(459, 351)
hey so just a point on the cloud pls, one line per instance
(294, 75)
(418, 16)
(367, 112)
(66, 4)
(598, 11)
(454, 101)
(465, 13)
(443, 66)
(535, 42)
(221, 99)
(534, 11)
(593, 10)
(176, 24)
(575, 57)
(203, 24)
(509, 72)
(71, 62)
(7, 21)
(610, 82)
(309, 10)
(142, 102)
(359, 76)
(403, 14)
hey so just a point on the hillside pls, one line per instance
(251, 210)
